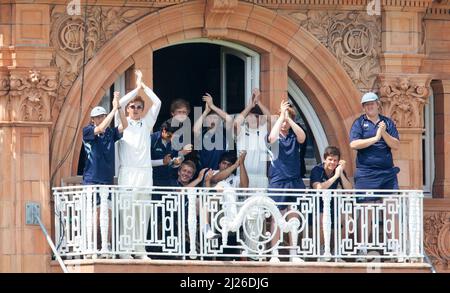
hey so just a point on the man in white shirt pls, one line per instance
(135, 163)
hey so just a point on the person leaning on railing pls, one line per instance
(373, 136)
(98, 142)
(329, 175)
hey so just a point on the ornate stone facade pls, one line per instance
(32, 91)
(31, 94)
(71, 45)
(403, 99)
(4, 97)
(352, 36)
(437, 238)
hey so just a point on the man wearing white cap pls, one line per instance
(135, 163)
(98, 142)
(373, 136)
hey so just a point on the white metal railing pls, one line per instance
(170, 222)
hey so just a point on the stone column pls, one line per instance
(441, 92)
(403, 98)
(274, 78)
(28, 85)
(403, 90)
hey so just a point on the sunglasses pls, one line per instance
(136, 107)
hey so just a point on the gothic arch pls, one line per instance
(310, 65)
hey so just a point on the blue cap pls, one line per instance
(369, 97)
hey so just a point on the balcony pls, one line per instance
(355, 230)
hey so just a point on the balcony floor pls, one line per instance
(198, 266)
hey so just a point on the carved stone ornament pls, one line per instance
(354, 38)
(403, 99)
(4, 97)
(218, 13)
(67, 36)
(437, 238)
(31, 94)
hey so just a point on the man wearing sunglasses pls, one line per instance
(135, 168)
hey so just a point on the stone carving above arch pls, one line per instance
(67, 37)
(31, 93)
(218, 13)
(437, 238)
(403, 98)
(353, 37)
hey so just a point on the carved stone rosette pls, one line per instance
(353, 37)
(403, 98)
(4, 96)
(31, 93)
(218, 13)
(67, 36)
(437, 238)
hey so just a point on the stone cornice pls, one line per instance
(276, 4)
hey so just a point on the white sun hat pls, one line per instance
(369, 97)
(97, 111)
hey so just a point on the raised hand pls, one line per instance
(115, 102)
(283, 108)
(138, 78)
(338, 171)
(342, 164)
(166, 160)
(242, 155)
(208, 176)
(382, 126)
(381, 129)
(208, 100)
(256, 95)
(186, 149)
(202, 172)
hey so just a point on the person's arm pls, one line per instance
(346, 184)
(299, 133)
(123, 120)
(208, 177)
(391, 141)
(222, 114)
(105, 123)
(224, 174)
(243, 176)
(152, 113)
(316, 184)
(199, 123)
(162, 162)
(157, 163)
(275, 132)
(199, 178)
(240, 118)
(187, 149)
(265, 111)
(363, 143)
